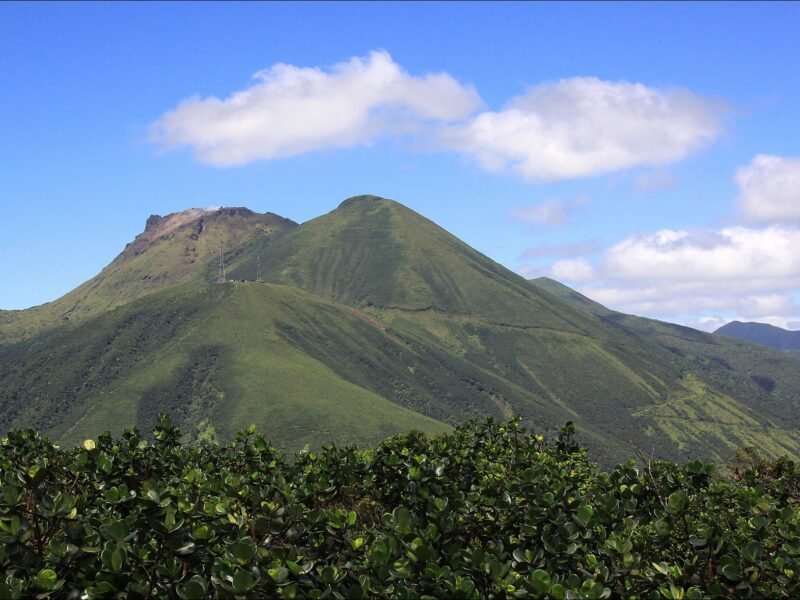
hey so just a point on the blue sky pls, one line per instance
(646, 154)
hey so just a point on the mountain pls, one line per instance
(764, 334)
(364, 322)
(764, 384)
(172, 250)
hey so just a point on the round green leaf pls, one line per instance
(731, 572)
(584, 515)
(46, 579)
(194, 589)
(279, 574)
(678, 501)
(243, 582)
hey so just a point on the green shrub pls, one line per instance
(488, 510)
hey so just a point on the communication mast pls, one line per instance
(258, 269)
(221, 278)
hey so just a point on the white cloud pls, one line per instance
(573, 269)
(705, 278)
(708, 323)
(701, 278)
(586, 126)
(733, 254)
(552, 212)
(291, 110)
(770, 189)
(570, 128)
(671, 301)
(694, 307)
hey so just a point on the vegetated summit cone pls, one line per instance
(374, 252)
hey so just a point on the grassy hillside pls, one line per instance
(763, 383)
(307, 370)
(376, 252)
(213, 355)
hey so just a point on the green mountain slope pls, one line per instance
(213, 355)
(763, 384)
(764, 334)
(376, 252)
(302, 368)
(371, 320)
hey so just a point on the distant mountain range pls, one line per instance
(764, 334)
(364, 322)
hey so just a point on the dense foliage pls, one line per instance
(488, 510)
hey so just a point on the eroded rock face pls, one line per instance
(152, 222)
(158, 227)
(198, 229)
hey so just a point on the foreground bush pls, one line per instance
(489, 510)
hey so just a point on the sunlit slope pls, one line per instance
(179, 248)
(376, 252)
(732, 393)
(213, 355)
(305, 370)
(217, 354)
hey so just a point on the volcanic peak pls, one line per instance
(158, 227)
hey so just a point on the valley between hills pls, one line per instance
(366, 322)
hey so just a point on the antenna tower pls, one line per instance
(221, 278)
(258, 270)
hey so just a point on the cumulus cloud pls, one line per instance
(573, 269)
(671, 302)
(707, 312)
(701, 278)
(770, 189)
(586, 126)
(290, 110)
(570, 128)
(705, 278)
(551, 212)
(733, 254)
